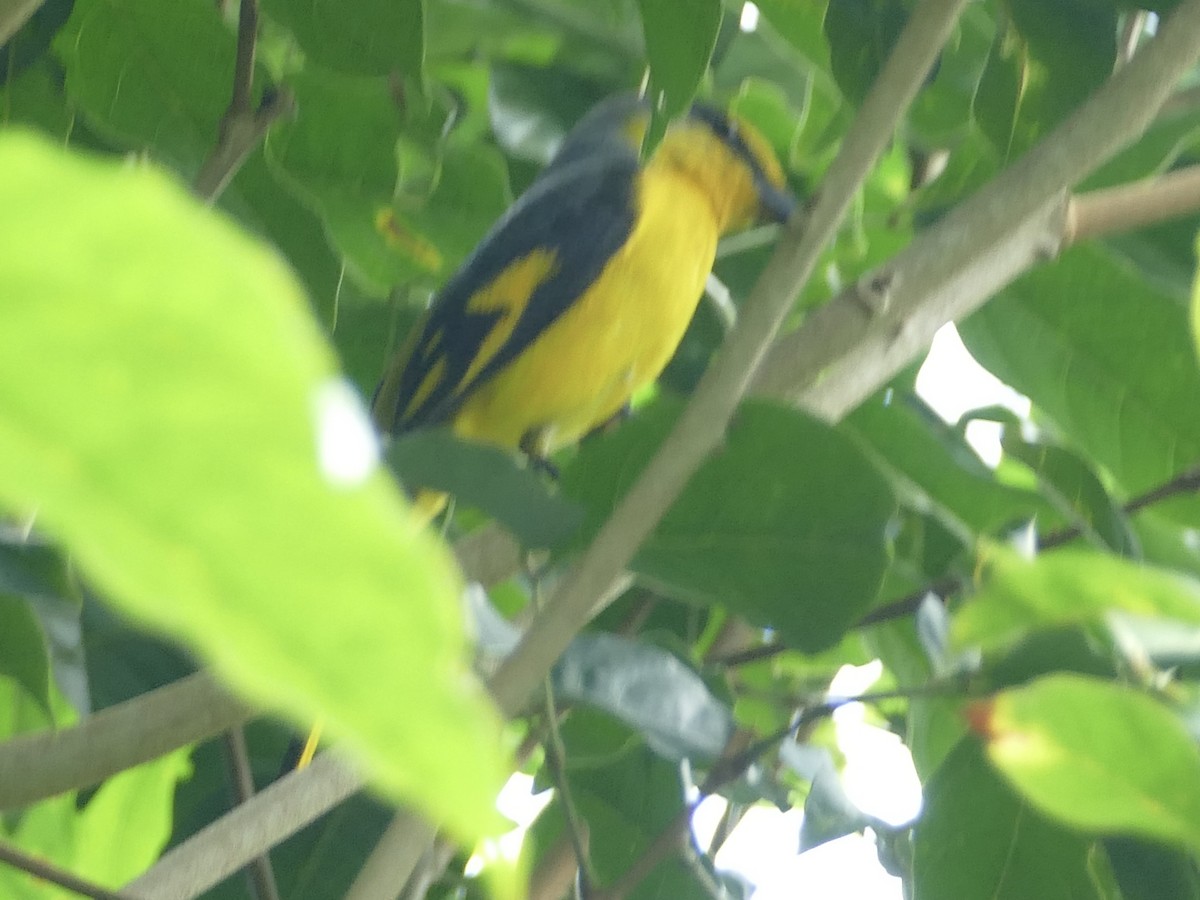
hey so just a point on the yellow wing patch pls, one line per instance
(508, 294)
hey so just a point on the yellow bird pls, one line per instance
(580, 294)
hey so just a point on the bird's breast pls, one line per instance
(617, 336)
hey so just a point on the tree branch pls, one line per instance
(48, 872)
(271, 816)
(242, 127)
(1130, 206)
(851, 346)
(36, 766)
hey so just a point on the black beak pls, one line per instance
(775, 203)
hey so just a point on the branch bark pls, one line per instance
(41, 765)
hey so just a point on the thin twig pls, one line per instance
(39, 868)
(556, 755)
(241, 782)
(1131, 206)
(242, 127)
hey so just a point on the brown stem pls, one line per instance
(242, 127)
(241, 781)
(47, 872)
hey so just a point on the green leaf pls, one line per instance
(23, 651)
(626, 804)
(533, 107)
(1070, 484)
(764, 527)
(1064, 588)
(1105, 355)
(126, 824)
(978, 840)
(934, 468)
(143, 72)
(487, 478)
(1046, 59)
(369, 37)
(195, 450)
(1149, 871)
(861, 34)
(650, 690)
(1099, 756)
(680, 37)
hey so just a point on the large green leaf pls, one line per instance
(373, 37)
(1046, 58)
(1105, 355)
(861, 34)
(1100, 756)
(1068, 587)
(978, 840)
(680, 35)
(788, 524)
(151, 75)
(194, 448)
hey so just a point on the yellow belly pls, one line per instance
(615, 339)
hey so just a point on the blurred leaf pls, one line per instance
(650, 690)
(1148, 871)
(798, 553)
(23, 653)
(197, 479)
(487, 478)
(861, 34)
(932, 466)
(139, 70)
(800, 22)
(1097, 755)
(679, 41)
(533, 107)
(1067, 587)
(114, 838)
(977, 840)
(1045, 60)
(829, 813)
(371, 37)
(125, 825)
(1105, 355)
(626, 804)
(1072, 486)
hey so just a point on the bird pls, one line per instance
(579, 295)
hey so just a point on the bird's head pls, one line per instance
(725, 155)
(733, 162)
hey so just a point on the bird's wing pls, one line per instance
(534, 264)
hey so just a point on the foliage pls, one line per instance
(186, 480)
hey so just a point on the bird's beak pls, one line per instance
(775, 203)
